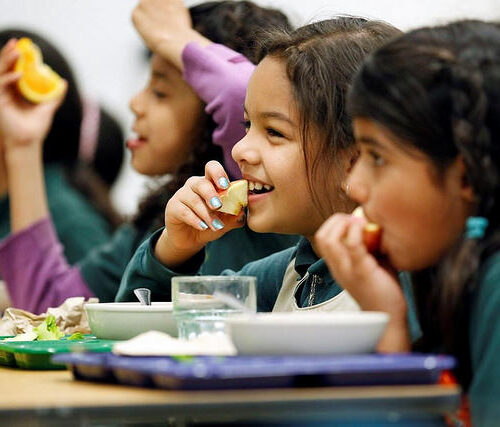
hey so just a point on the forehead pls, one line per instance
(269, 88)
(164, 70)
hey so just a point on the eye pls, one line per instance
(159, 94)
(246, 124)
(376, 158)
(274, 133)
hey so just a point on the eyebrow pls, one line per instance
(160, 75)
(273, 115)
(369, 141)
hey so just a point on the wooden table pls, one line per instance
(53, 398)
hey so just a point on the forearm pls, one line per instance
(170, 48)
(396, 338)
(26, 184)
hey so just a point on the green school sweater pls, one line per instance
(78, 224)
(104, 267)
(484, 335)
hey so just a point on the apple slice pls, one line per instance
(235, 197)
(372, 233)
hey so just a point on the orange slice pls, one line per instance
(38, 82)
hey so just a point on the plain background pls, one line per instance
(110, 63)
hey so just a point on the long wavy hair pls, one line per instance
(235, 24)
(438, 90)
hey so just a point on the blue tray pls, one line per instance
(258, 371)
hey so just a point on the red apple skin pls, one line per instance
(372, 237)
(372, 233)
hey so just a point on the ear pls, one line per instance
(466, 190)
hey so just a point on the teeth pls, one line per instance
(251, 185)
(267, 187)
(258, 186)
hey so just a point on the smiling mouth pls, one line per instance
(259, 188)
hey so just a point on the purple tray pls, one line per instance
(259, 371)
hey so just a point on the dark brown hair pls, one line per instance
(438, 90)
(235, 24)
(321, 59)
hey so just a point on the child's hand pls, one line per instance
(165, 27)
(191, 217)
(375, 287)
(21, 123)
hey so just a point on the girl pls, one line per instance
(174, 135)
(426, 111)
(295, 155)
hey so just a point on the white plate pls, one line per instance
(307, 333)
(125, 320)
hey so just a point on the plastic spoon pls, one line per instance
(143, 295)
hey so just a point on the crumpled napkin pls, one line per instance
(70, 318)
(154, 343)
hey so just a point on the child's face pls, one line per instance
(168, 120)
(421, 213)
(271, 156)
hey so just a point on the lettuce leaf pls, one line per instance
(48, 330)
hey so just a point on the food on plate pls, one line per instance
(38, 82)
(47, 330)
(372, 233)
(235, 197)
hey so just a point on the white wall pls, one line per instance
(100, 42)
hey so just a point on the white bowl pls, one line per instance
(125, 320)
(307, 333)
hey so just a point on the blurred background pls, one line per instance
(109, 59)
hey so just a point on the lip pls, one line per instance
(253, 179)
(134, 143)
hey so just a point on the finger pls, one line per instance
(330, 242)
(215, 172)
(9, 46)
(9, 78)
(199, 207)
(8, 59)
(205, 189)
(187, 216)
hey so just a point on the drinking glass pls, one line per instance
(197, 310)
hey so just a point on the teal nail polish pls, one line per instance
(223, 182)
(218, 225)
(215, 202)
(203, 225)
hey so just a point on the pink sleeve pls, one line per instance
(34, 268)
(220, 77)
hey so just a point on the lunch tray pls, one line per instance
(203, 372)
(38, 354)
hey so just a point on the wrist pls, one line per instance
(171, 255)
(21, 155)
(170, 48)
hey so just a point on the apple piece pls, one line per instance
(372, 233)
(235, 197)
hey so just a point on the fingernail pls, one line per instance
(218, 225)
(223, 182)
(203, 225)
(215, 202)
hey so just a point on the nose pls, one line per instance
(246, 151)
(136, 104)
(357, 187)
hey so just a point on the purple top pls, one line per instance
(32, 263)
(220, 77)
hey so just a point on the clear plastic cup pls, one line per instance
(197, 310)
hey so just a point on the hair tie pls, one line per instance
(89, 130)
(475, 227)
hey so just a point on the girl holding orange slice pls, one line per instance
(189, 110)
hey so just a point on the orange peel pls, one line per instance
(38, 82)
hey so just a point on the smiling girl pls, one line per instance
(426, 111)
(295, 155)
(188, 111)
